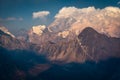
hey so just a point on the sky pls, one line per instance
(23, 14)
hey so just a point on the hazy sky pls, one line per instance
(18, 14)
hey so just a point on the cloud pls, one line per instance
(66, 12)
(11, 19)
(106, 20)
(20, 19)
(40, 14)
(118, 3)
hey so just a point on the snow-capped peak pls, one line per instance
(5, 30)
(38, 29)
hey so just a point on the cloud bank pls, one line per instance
(40, 14)
(106, 21)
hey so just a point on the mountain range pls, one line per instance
(88, 45)
(41, 55)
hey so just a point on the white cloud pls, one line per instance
(40, 14)
(66, 12)
(105, 20)
(73, 12)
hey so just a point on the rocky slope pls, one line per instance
(98, 46)
(10, 42)
(90, 54)
(89, 45)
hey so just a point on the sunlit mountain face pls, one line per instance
(60, 40)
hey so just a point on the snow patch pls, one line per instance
(5, 30)
(38, 29)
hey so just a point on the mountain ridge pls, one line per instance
(88, 45)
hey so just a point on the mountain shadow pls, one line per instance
(89, 70)
(17, 64)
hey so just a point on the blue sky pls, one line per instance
(18, 14)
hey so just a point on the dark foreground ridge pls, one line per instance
(23, 65)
